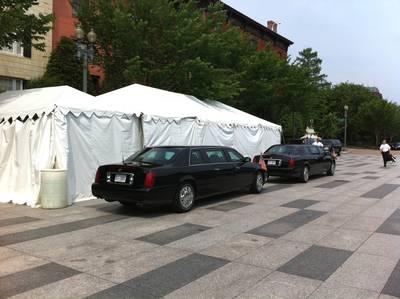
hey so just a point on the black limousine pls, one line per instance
(177, 175)
(298, 161)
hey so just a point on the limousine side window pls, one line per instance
(234, 156)
(215, 156)
(196, 157)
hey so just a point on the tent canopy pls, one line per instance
(39, 101)
(138, 99)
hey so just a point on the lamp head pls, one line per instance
(346, 107)
(79, 32)
(92, 36)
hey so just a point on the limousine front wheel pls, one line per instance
(258, 183)
(184, 198)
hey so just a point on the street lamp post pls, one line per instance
(346, 108)
(85, 51)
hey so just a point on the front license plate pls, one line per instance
(271, 162)
(120, 178)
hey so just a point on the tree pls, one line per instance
(63, 68)
(171, 45)
(18, 25)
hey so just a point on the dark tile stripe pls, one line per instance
(391, 225)
(333, 184)
(173, 234)
(19, 282)
(268, 188)
(392, 286)
(381, 191)
(350, 173)
(38, 233)
(370, 177)
(166, 279)
(229, 206)
(284, 225)
(317, 262)
(300, 203)
(17, 220)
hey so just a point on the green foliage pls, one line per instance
(175, 45)
(17, 24)
(63, 68)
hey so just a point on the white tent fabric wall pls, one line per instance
(96, 140)
(26, 148)
(176, 119)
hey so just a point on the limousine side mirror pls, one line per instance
(246, 159)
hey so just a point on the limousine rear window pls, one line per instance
(161, 156)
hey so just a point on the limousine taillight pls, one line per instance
(97, 177)
(292, 163)
(149, 179)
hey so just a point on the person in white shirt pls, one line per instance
(318, 142)
(385, 150)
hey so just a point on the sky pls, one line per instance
(358, 40)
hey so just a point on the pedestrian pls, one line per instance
(318, 142)
(385, 150)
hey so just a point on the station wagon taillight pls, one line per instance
(149, 180)
(97, 177)
(292, 163)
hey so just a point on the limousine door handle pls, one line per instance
(217, 169)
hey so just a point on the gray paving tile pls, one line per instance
(166, 279)
(350, 173)
(381, 191)
(284, 225)
(56, 229)
(370, 172)
(392, 286)
(333, 184)
(300, 203)
(391, 225)
(17, 220)
(317, 262)
(371, 177)
(23, 281)
(358, 165)
(173, 234)
(338, 291)
(229, 206)
(277, 187)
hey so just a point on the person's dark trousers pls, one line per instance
(385, 156)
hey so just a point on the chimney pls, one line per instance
(271, 25)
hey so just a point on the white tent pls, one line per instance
(33, 136)
(74, 131)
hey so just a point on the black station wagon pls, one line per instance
(298, 161)
(177, 175)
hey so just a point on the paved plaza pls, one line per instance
(334, 237)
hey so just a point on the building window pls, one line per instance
(7, 83)
(15, 49)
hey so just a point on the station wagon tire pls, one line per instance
(305, 174)
(332, 169)
(258, 183)
(184, 197)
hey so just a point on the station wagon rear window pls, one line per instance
(285, 150)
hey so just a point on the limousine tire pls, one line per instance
(258, 183)
(332, 168)
(305, 174)
(184, 197)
